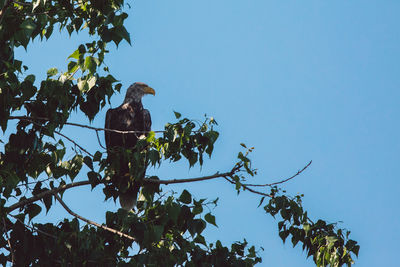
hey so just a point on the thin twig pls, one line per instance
(35, 182)
(283, 181)
(9, 242)
(91, 222)
(75, 143)
(98, 139)
(249, 189)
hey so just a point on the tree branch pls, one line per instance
(91, 222)
(283, 181)
(9, 242)
(150, 181)
(249, 189)
(188, 180)
(31, 119)
(98, 139)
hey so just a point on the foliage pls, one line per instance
(166, 230)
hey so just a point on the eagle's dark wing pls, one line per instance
(146, 120)
(122, 119)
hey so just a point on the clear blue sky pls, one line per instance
(299, 80)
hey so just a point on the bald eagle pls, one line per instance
(129, 116)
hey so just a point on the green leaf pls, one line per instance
(295, 240)
(97, 156)
(48, 200)
(356, 249)
(185, 197)
(91, 82)
(123, 33)
(283, 235)
(173, 212)
(177, 114)
(51, 72)
(151, 136)
(261, 201)
(306, 228)
(94, 178)
(197, 226)
(30, 78)
(88, 161)
(110, 218)
(198, 208)
(33, 210)
(210, 219)
(75, 166)
(28, 25)
(75, 55)
(28, 90)
(82, 85)
(90, 64)
(200, 239)
(154, 157)
(280, 225)
(49, 31)
(158, 231)
(111, 78)
(119, 20)
(72, 66)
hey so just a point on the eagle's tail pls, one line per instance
(129, 198)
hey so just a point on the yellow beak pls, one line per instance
(149, 90)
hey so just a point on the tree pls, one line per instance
(166, 230)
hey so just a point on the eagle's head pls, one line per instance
(136, 91)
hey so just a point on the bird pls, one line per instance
(129, 116)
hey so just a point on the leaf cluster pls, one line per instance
(167, 232)
(327, 244)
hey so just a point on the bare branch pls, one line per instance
(188, 180)
(9, 242)
(91, 222)
(283, 181)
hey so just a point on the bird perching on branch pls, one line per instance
(129, 116)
